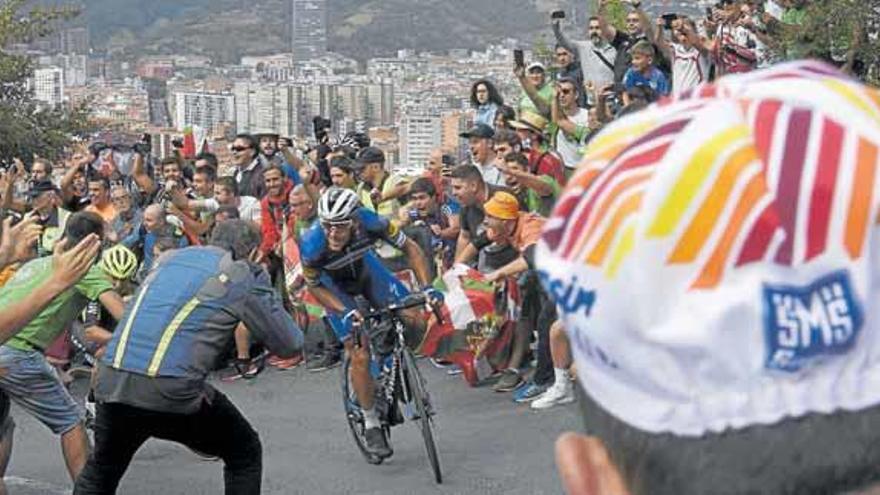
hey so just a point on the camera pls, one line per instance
(177, 143)
(321, 128)
(557, 14)
(97, 147)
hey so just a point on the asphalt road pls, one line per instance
(487, 444)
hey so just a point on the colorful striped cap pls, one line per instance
(716, 258)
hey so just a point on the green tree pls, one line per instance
(615, 10)
(28, 128)
(843, 31)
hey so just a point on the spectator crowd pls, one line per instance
(486, 211)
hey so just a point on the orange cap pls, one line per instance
(502, 205)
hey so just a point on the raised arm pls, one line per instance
(531, 91)
(609, 32)
(661, 42)
(562, 41)
(140, 175)
(68, 268)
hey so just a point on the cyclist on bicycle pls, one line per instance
(92, 334)
(339, 262)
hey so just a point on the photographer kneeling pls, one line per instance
(152, 379)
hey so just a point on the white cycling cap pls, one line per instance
(716, 259)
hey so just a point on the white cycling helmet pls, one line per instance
(337, 204)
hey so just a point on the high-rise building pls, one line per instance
(308, 29)
(380, 103)
(74, 40)
(49, 85)
(288, 107)
(206, 110)
(419, 134)
(75, 67)
(453, 124)
(264, 107)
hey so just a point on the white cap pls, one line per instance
(536, 65)
(716, 259)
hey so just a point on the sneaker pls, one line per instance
(441, 364)
(246, 369)
(454, 370)
(377, 444)
(510, 379)
(529, 392)
(327, 361)
(557, 395)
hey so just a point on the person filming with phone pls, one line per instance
(595, 54)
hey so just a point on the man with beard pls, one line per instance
(268, 143)
(274, 208)
(638, 28)
(595, 54)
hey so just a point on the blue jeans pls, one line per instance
(32, 383)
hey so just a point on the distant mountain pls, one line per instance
(227, 29)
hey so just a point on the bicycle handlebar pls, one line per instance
(410, 301)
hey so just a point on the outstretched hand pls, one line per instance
(16, 243)
(69, 266)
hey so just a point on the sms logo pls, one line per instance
(804, 325)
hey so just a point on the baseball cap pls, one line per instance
(716, 258)
(479, 130)
(536, 66)
(370, 154)
(502, 205)
(40, 187)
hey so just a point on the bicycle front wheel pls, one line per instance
(354, 414)
(419, 399)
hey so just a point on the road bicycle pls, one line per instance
(400, 382)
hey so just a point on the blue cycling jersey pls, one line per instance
(346, 265)
(355, 270)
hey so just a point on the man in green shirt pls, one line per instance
(538, 193)
(27, 378)
(537, 92)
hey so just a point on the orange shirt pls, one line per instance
(108, 212)
(528, 230)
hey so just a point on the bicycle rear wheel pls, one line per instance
(354, 415)
(418, 395)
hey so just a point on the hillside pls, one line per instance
(227, 29)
